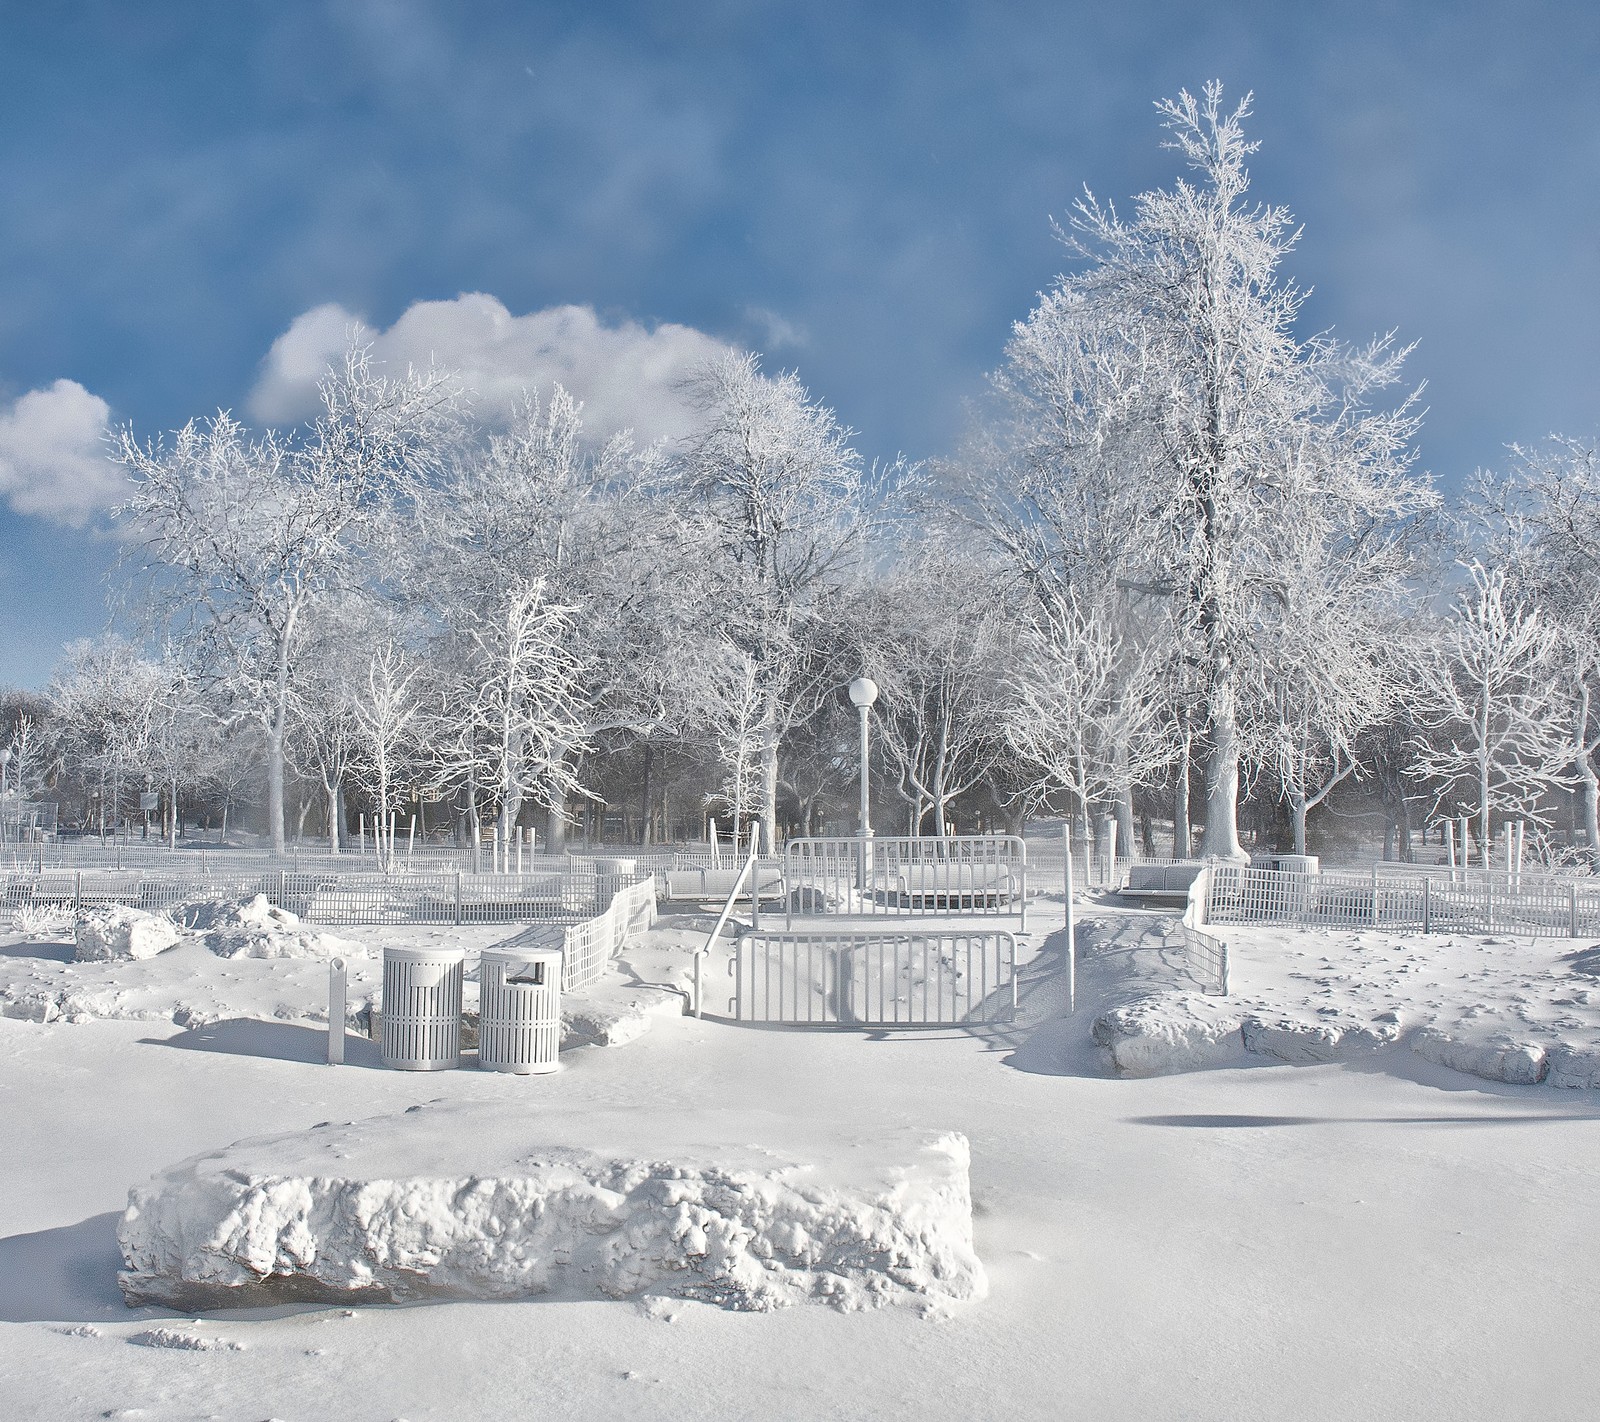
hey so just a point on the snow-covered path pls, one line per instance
(1262, 1242)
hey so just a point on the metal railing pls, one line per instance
(874, 978)
(1464, 901)
(1208, 959)
(904, 876)
(722, 922)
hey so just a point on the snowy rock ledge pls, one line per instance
(489, 1202)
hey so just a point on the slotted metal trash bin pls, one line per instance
(422, 1008)
(519, 1010)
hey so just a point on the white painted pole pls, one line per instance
(411, 848)
(1111, 854)
(1450, 846)
(337, 1007)
(1071, 952)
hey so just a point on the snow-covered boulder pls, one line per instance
(495, 1202)
(120, 934)
(1497, 1058)
(258, 928)
(1301, 1041)
(1154, 1036)
(1574, 1067)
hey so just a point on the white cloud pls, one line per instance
(774, 332)
(53, 455)
(625, 374)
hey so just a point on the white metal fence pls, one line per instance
(565, 890)
(1466, 901)
(903, 876)
(1208, 959)
(874, 978)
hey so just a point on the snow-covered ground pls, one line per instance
(1515, 1009)
(1378, 1236)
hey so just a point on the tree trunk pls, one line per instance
(1589, 793)
(1124, 809)
(334, 816)
(645, 816)
(275, 784)
(1297, 811)
(769, 792)
(555, 833)
(1222, 781)
(1182, 836)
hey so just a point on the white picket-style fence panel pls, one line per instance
(902, 876)
(874, 978)
(1436, 901)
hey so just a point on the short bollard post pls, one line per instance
(338, 992)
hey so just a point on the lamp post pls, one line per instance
(863, 692)
(5, 761)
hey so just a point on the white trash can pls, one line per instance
(519, 1010)
(422, 1008)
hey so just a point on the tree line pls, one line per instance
(1182, 553)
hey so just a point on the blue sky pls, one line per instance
(863, 192)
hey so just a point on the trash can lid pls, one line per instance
(524, 955)
(424, 955)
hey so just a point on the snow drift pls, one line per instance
(475, 1201)
(258, 928)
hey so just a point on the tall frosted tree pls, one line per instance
(777, 496)
(1166, 424)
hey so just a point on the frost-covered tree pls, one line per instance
(539, 505)
(384, 710)
(107, 697)
(1542, 517)
(507, 724)
(936, 640)
(777, 498)
(1165, 418)
(240, 535)
(1493, 717)
(1082, 707)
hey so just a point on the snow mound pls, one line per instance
(184, 1342)
(612, 1013)
(1158, 1035)
(481, 1201)
(258, 928)
(1499, 1058)
(119, 934)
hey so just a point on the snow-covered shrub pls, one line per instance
(42, 922)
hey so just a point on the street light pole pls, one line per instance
(5, 761)
(863, 692)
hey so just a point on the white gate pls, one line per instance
(874, 978)
(907, 877)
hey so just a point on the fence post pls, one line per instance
(77, 889)
(337, 1008)
(1427, 905)
(1374, 895)
(283, 888)
(458, 897)
(1572, 910)
(1022, 926)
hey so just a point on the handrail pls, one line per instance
(722, 921)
